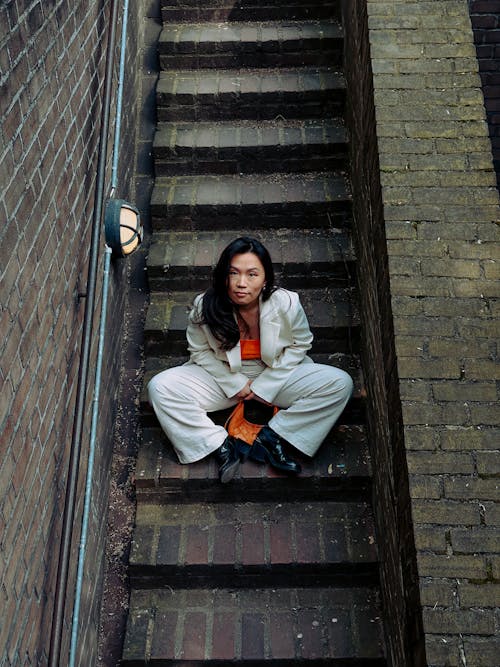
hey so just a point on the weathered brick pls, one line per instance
(482, 369)
(252, 636)
(429, 368)
(430, 538)
(488, 464)
(469, 438)
(440, 463)
(484, 414)
(223, 636)
(481, 652)
(283, 636)
(164, 636)
(455, 347)
(464, 391)
(448, 621)
(196, 545)
(444, 565)
(411, 390)
(474, 540)
(253, 543)
(471, 487)
(430, 413)
(424, 326)
(438, 592)
(443, 650)
(444, 512)
(421, 438)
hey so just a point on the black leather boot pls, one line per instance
(228, 459)
(268, 446)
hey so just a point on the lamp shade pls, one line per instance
(122, 227)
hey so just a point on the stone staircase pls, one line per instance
(251, 140)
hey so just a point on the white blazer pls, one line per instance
(285, 337)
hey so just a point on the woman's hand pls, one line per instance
(245, 394)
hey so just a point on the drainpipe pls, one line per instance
(90, 465)
(119, 101)
(76, 441)
(100, 354)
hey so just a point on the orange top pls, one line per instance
(250, 348)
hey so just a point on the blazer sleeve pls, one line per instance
(202, 354)
(270, 381)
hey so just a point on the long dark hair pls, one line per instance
(217, 309)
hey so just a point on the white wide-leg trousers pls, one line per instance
(312, 400)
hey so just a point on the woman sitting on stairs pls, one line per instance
(248, 339)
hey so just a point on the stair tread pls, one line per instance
(228, 10)
(248, 81)
(196, 253)
(343, 457)
(221, 34)
(250, 189)
(255, 535)
(258, 625)
(326, 308)
(231, 134)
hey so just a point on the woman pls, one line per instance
(247, 340)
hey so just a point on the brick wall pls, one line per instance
(391, 498)
(51, 77)
(433, 264)
(485, 15)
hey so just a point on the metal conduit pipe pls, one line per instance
(100, 353)
(83, 370)
(90, 465)
(119, 100)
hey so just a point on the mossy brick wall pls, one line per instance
(428, 244)
(51, 85)
(485, 16)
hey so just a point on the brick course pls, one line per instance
(428, 210)
(51, 77)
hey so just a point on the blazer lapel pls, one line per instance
(234, 357)
(269, 331)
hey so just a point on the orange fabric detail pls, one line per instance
(250, 348)
(239, 427)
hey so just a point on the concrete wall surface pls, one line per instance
(52, 57)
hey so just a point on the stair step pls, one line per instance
(192, 544)
(194, 11)
(292, 626)
(332, 314)
(255, 44)
(341, 469)
(303, 258)
(235, 147)
(252, 93)
(225, 202)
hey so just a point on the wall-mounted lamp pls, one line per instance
(122, 227)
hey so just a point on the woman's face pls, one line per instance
(246, 279)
